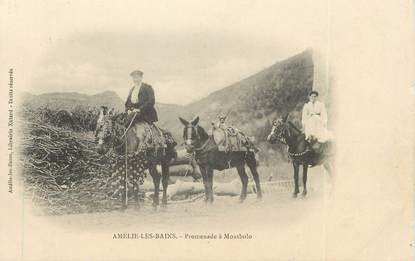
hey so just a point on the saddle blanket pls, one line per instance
(231, 139)
(152, 137)
(322, 148)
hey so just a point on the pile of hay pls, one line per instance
(63, 174)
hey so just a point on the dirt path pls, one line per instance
(280, 226)
(273, 209)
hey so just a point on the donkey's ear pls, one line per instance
(184, 122)
(284, 119)
(195, 121)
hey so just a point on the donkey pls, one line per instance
(114, 136)
(209, 158)
(300, 150)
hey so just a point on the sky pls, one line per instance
(186, 49)
(85, 43)
(191, 64)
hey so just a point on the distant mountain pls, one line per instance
(70, 100)
(169, 117)
(251, 104)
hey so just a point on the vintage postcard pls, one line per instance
(207, 130)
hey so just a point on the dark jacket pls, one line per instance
(146, 101)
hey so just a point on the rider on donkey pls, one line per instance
(140, 101)
(140, 107)
(314, 120)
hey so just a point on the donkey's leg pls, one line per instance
(209, 175)
(244, 180)
(195, 173)
(156, 181)
(305, 168)
(329, 169)
(165, 182)
(205, 184)
(251, 162)
(296, 188)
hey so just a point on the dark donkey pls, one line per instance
(114, 136)
(209, 157)
(300, 151)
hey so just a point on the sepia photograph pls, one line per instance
(186, 130)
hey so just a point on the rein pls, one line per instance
(296, 154)
(114, 138)
(294, 127)
(123, 140)
(129, 125)
(203, 145)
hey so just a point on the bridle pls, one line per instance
(280, 130)
(110, 135)
(283, 132)
(188, 137)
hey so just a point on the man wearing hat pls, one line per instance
(140, 108)
(141, 101)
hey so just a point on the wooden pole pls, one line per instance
(126, 175)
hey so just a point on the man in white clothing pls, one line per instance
(314, 120)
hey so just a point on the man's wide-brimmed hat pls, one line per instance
(136, 73)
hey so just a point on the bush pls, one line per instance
(77, 119)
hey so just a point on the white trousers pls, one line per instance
(315, 127)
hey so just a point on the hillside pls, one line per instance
(251, 104)
(71, 100)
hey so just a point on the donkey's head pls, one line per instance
(280, 130)
(109, 132)
(193, 134)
